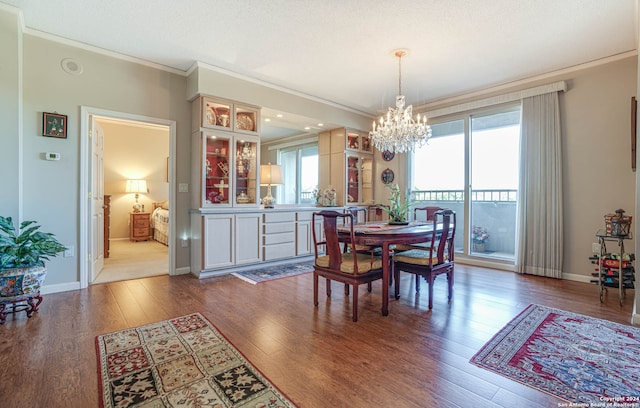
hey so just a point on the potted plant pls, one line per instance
(398, 208)
(22, 269)
(479, 235)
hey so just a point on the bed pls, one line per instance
(160, 222)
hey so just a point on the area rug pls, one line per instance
(576, 358)
(181, 362)
(255, 276)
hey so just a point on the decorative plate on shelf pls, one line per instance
(244, 121)
(387, 155)
(211, 116)
(387, 176)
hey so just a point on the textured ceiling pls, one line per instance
(342, 50)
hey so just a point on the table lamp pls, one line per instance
(270, 174)
(137, 186)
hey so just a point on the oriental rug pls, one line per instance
(255, 276)
(181, 362)
(576, 358)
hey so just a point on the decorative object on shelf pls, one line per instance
(387, 155)
(398, 210)
(54, 125)
(479, 236)
(399, 132)
(224, 167)
(244, 121)
(618, 224)
(270, 174)
(329, 197)
(243, 198)
(244, 158)
(318, 196)
(137, 187)
(22, 268)
(387, 176)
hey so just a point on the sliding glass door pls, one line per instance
(470, 165)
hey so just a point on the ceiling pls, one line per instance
(341, 51)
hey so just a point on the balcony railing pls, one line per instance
(502, 195)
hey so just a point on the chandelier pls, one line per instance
(398, 131)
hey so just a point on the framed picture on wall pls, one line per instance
(54, 125)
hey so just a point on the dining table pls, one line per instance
(384, 235)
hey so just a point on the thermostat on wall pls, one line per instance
(52, 156)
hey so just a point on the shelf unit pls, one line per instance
(346, 163)
(613, 270)
(227, 141)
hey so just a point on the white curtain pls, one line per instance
(540, 204)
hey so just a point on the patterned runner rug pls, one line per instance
(274, 272)
(576, 358)
(181, 362)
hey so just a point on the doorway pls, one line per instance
(118, 147)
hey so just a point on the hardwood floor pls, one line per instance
(318, 357)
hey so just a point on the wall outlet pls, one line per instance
(595, 248)
(183, 188)
(184, 242)
(69, 252)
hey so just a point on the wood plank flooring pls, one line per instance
(317, 356)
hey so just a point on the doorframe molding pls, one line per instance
(86, 212)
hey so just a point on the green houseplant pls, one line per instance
(398, 208)
(22, 270)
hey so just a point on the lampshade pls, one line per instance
(270, 174)
(137, 186)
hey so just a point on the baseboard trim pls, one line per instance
(59, 287)
(183, 270)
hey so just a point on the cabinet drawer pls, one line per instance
(279, 238)
(140, 232)
(304, 216)
(278, 251)
(279, 217)
(279, 227)
(140, 222)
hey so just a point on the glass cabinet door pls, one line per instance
(246, 170)
(353, 179)
(217, 181)
(359, 179)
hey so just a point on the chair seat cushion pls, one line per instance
(365, 263)
(418, 257)
(408, 247)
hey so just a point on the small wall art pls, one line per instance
(54, 125)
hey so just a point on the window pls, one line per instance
(470, 165)
(300, 174)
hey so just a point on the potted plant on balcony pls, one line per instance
(22, 268)
(479, 236)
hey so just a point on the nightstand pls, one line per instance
(139, 226)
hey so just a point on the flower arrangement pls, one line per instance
(398, 209)
(330, 197)
(479, 235)
(317, 195)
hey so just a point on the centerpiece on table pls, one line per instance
(398, 210)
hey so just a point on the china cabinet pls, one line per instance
(226, 149)
(348, 154)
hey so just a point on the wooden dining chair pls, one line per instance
(428, 216)
(435, 260)
(351, 268)
(429, 211)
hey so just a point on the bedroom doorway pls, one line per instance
(128, 232)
